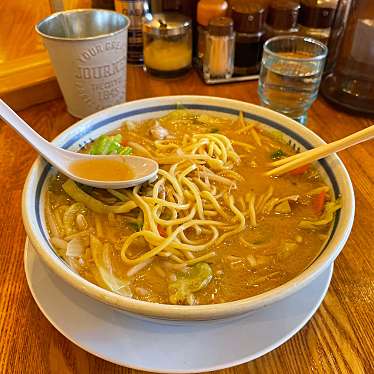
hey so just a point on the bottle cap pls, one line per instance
(282, 15)
(207, 9)
(221, 26)
(166, 24)
(248, 18)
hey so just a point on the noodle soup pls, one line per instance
(211, 229)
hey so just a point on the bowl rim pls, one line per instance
(195, 312)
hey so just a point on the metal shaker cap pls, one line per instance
(282, 14)
(248, 18)
(166, 24)
(221, 26)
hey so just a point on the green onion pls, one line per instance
(137, 226)
(278, 154)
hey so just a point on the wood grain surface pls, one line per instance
(26, 73)
(338, 339)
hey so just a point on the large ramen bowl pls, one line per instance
(331, 169)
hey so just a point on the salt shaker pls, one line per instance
(219, 52)
(207, 10)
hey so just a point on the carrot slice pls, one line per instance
(162, 231)
(318, 202)
(300, 170)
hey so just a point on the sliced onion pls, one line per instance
(75, 248)
(102, 261)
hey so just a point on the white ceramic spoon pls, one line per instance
(143, 169)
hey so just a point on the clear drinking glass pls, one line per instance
(291, 71)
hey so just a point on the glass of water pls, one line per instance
(291, 71)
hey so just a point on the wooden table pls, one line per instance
(338, 339)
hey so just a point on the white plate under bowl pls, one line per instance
(144, 345)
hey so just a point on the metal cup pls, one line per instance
(88, 50)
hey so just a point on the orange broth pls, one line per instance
(276, 250)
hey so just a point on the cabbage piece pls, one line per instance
(105, 276)
(208, 120)
(75, 247)
(72, 189)
(283, 207)
(109, 145)
(178, 115)
(286, 249)
(118, 195)
(187, 283)
(327, 216)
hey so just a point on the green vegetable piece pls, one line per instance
(177, 115)
(115, 147)
(277, 135)
(109, 145)
(327, 216)
(118, 195)
(187, 283)
(137, 226)
(125, 151)
(278, 154)
(283, 207)
(100, 145)
(117, 138)
(214, 130)
(71, 188)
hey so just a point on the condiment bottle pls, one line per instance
(349, 82)
(102, 4)
(167, 44)
(219, 52)
(206, 10)
(135, 11)
(249, 28)
(171, 5)
(281, 18)
(316, 17)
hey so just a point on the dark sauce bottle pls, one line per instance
(249, 27)
(282, 18)
(316, 18)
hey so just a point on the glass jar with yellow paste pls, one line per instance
(167, 45)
